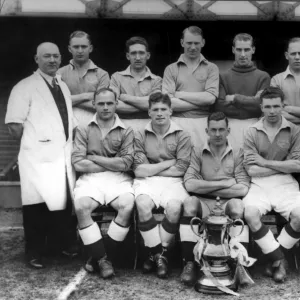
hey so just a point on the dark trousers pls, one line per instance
(46, 232)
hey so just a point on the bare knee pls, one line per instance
(295, 219)
(144, 205)
(235, 209)
(83, 206)
(126, 203)
(173, 209)
(191, 206)
(252, 217)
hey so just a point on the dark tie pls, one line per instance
(55, 85)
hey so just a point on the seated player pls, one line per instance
(272, 153)
(216, 170)
(103, 151)
(162, 155)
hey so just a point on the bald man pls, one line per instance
(39, 114)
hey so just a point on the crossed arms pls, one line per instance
(237, 186)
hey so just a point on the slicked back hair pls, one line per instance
(136, 40)
(103, 90)
(79, 34)
(243, 37)
(159, 97)
(292, 40)
(271, 92)
(217, 116)
(193, 30)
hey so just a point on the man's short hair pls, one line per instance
(193, 30)
(136, 40)
(243, 37)
(292, 40)
(271, 92)
(159, 97)
(217, 116)
(103, 90)
(79, 34)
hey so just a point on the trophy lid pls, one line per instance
(217, 215)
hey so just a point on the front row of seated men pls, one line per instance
(162, 158)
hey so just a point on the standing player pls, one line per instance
(272, 153)
(216, 170)
(289, 82)
(193, 85)
(134, 85)
(162, 155)
(240, 87)
(103, 151)
(82, 76)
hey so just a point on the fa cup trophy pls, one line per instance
(213, 252)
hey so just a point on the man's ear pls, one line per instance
(206, 130)
(171, 111)
(286, 54)
(228, 129)
(253, 49)
(36, 58)
(69, 48)
(148, 55)
(181, 43)
(127, 56)
(91, 48)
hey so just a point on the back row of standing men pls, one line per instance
(39, 112)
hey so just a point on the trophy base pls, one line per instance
(206, 286)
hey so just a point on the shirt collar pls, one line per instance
(173, 128)
(181, 59)
(228, 149)
(118, 122)
(91, 65)
(287, 73)
(127, 72)
(259, 125)
(46, 76)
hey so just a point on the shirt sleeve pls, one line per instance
(126, 151)
(157, 84)
(169, 81)
(193, 171)
(275, 81)
(212, 81)
(139, 151)
(249, 143)
(252, 101)
(221, 104)
(183, 152)
(294, 152)
(18, 104)
(115, 85)
(80, 145)
(103, 79)
(240, 174)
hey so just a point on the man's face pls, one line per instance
(80, 48)
(192, 45)
(105, 105)
(217, 132)
(272, 109)
(138, 56)
(160, 114)
(243, 52)
(48, 58)
(293, 56)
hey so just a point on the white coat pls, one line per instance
(45, 155)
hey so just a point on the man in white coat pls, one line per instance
(39, 113)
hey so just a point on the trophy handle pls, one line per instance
(200, 222)
(240, 222)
